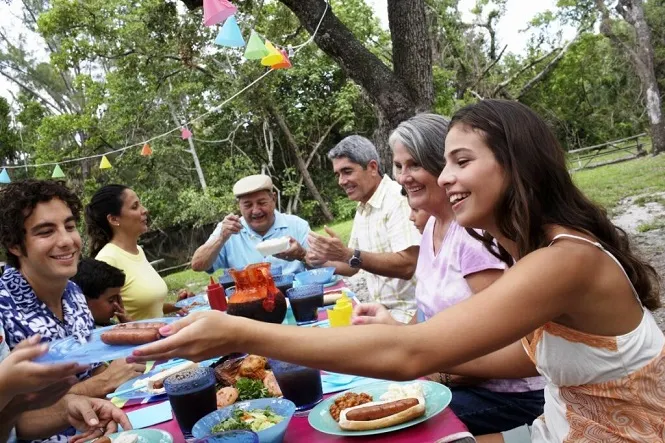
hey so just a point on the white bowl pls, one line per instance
(273, 246)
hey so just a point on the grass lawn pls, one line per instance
(606, 185)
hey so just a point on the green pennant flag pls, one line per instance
(256, 49)
(57, 172)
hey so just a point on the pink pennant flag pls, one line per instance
(185, 133)
(216, 11)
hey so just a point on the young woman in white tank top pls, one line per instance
(565, 310)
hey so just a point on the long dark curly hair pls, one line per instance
(106, 201)
(18, 199)
(542, 192)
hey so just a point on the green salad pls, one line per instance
(254, 420)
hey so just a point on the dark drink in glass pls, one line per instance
(300, 384)
(305, 303)
(192, 396)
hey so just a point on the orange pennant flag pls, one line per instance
(146, 151)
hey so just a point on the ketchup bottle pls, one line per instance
(216, 296)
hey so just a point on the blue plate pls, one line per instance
(437, 397)
(201, 301)
(140, 394)
(92, 349)
(147, 436)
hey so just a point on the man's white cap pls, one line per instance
(252, 183)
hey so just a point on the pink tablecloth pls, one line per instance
(445, 424)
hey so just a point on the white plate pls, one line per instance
(273, 246)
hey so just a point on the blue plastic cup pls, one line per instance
(305, 302)
(300, 384)
(230, 436)
(192, 396)
(275, 270)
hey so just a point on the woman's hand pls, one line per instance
(197, 337)
(94, 417)
(372, 314)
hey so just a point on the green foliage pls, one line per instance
(9, 138)
(344, 208)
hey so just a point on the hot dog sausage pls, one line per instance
(380, 411)
(130, 336)
(104, 439)
(144, 325)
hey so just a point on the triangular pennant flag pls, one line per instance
(57, 172)
(4, 176)
(285, 63)
(230, 35)
(255, 47)
(274, 57)
(146, 151)
(105, 163)
(216, 11)
(185, 133)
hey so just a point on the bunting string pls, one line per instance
(292, 51)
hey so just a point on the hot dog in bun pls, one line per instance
(399, 404)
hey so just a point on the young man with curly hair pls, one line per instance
(39, 235)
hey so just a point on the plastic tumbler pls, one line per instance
(300, 384)
(192, 396)
(305, 302)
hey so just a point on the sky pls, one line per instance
(518, 13)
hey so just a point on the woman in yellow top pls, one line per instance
(115, 220)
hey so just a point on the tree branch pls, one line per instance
(487, 69)
(501, 86)
(31, 91)
(548, 68)
(300, 164)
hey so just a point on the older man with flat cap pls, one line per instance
(233, 242)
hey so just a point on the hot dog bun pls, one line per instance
(394, 419)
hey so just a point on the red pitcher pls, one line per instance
(256, 296)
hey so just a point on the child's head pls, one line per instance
(419, 217)
(38, 228)
(101, 283)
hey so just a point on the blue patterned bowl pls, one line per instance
(274, 434)
(315, 276)
(230, 436)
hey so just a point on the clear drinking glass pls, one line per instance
(192, 396)
(300, 384)
(305, 303)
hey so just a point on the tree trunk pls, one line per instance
(300, 163)
(412, 50)
(396, 95)
(642, 60)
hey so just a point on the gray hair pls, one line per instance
(358, 149)
(423, 136)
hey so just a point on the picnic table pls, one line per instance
(442, 428)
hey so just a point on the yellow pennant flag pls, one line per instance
(105, 163)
